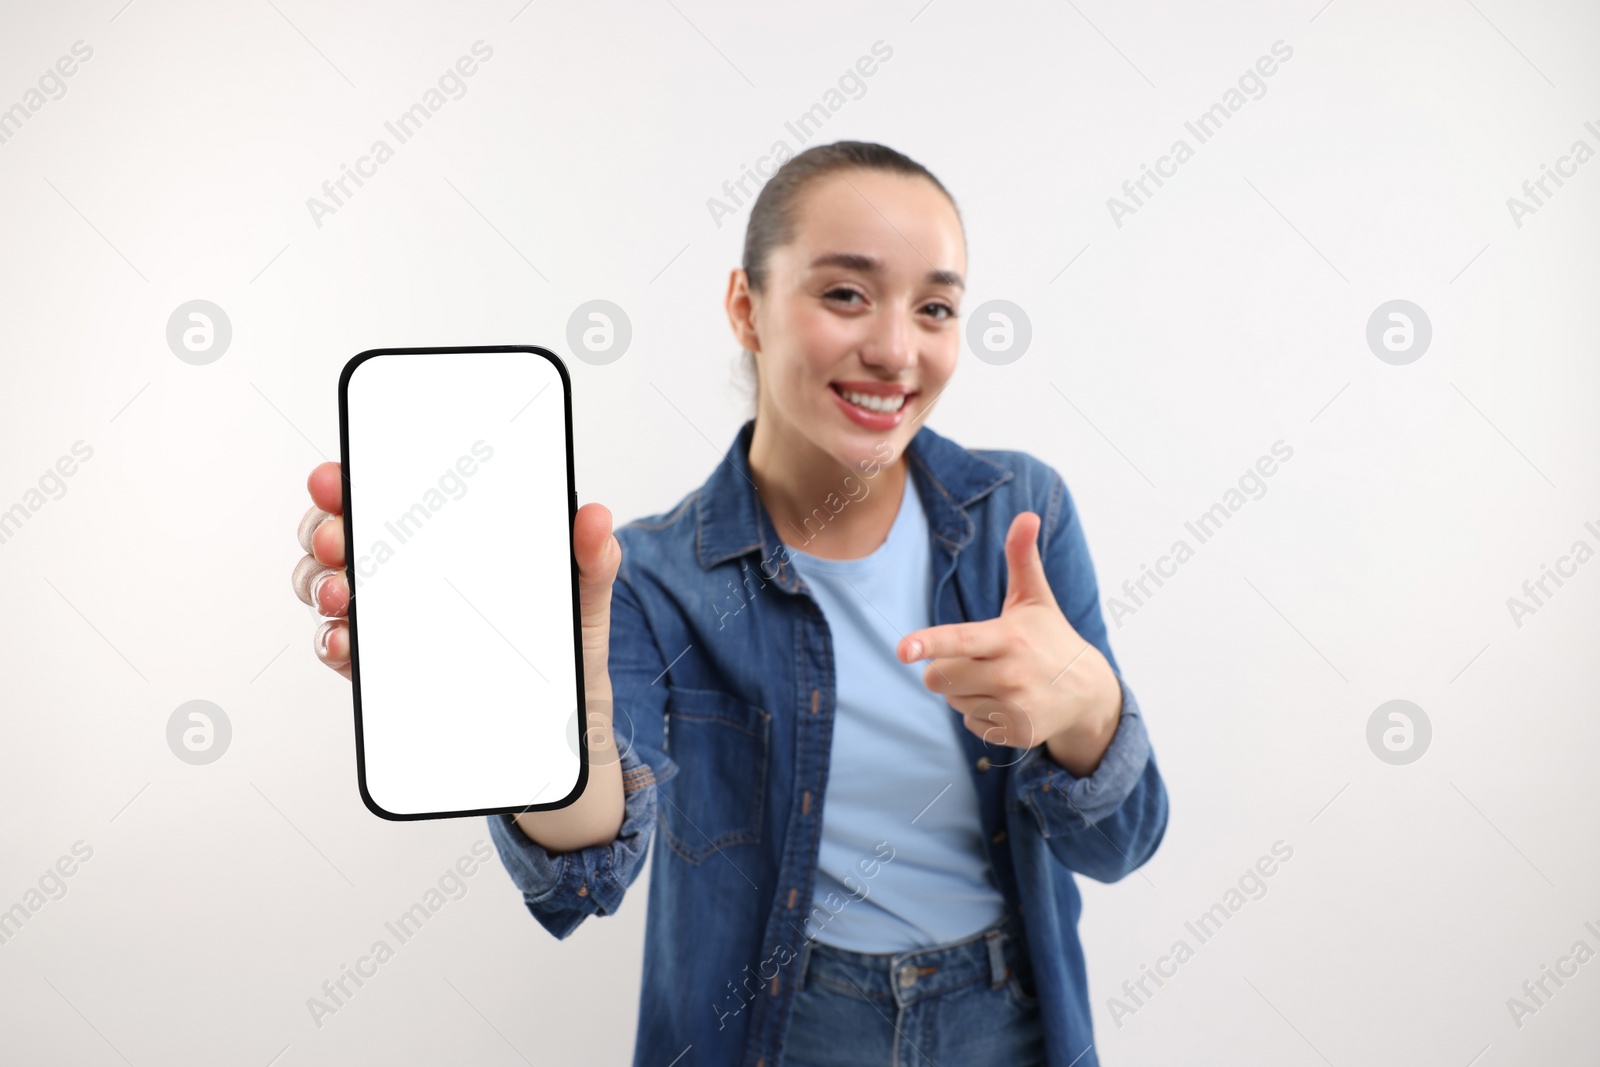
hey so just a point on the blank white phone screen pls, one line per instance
(466, 660)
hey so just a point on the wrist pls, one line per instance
(599, 736)
(1080, 747)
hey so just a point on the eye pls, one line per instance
(949, 312)
(837, 290)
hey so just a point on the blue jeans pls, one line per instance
(960, 1005)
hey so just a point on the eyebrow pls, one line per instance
(872, 265)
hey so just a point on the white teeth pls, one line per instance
(875, 403)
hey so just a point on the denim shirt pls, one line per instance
(722, 671)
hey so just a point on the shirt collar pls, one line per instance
(732, 521)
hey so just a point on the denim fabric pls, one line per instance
(724, 684)
(962, 1005)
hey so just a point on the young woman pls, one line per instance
(856, 685)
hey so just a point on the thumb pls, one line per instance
(1025, 578)
(599, 556)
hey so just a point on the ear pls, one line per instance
(740, 303)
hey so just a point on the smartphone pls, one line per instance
(466, 653)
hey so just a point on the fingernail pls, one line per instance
(308, 527)
(323, 634)
(316, 590)
(915, 649)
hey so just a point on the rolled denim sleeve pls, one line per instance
(561, 889)
(1064, 802)
(1105, 825)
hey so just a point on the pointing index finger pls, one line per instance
(976, 640)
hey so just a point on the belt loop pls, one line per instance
(999, 972)
(801, 966)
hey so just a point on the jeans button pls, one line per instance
(908, 976)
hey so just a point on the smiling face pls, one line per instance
(858, 330)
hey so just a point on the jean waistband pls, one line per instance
(988, 956)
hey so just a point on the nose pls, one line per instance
(890, 347)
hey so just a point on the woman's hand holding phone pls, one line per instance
(319, 580)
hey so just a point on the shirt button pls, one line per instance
(908, 976)
(983, 763)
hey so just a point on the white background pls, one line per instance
(1168, 354)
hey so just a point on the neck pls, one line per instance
(818, 504)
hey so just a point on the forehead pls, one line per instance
(901, 219)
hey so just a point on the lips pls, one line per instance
(878, 392)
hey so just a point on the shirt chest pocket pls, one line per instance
(718, 797)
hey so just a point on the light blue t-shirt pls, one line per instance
(902, 843)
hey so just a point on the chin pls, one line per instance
(864, 450)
